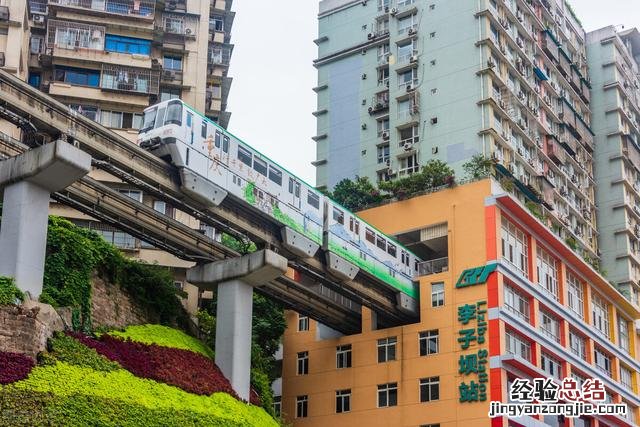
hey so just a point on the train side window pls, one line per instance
(160, 118)
(217, 139)
(189, 119)
(313, 199)
(354, 225)
(369, 235)
(405, 258)
(415, 265)
(203, 131)
(338, 215)
(275, 175)
(244, 155)
(297, 189)
(381, 242)
(225, 143)
(260, 166)
(391, 249)
(290, 185)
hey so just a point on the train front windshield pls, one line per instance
(169, 114)
(149, 120)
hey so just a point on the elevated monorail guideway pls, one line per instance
(312, 278)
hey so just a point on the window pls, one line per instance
(437, 294)
(547, 272)
(88, 111)
(602, 361)
(77, 76)
(149, 119)
(382, 126)
(429, 389)
(275, 175)
(225, 143)
(35, 79)
(260, 166)
(169, 93)
(517, 346)
(162, 207)
(277, 405)
(302, 406)
(383, 153)
(244, 155)
(625, 377)
(313, 199)
(354, 225)
(429, 342)
(303, 323)
(623, 333)
(303, 363)
(600, 314)
(575, 295)
(516, 302)
(36, 44)
(551, 365)
(550, 326)
(577, 345)
(174, 113)
(514, 246)
(172, 63)
(387, 395)
(343, 356)
(381, 242)
(74, 37)
(369, 235)
(387, 349)
(134, 194)
(124, 44)
(338, 216)
(173, 25)
(392, 249)
(216, 23)
(343, 401)
(203, 129)
(407, 23)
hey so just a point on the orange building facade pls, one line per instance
(511, 300)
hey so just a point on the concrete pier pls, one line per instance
(28, 181)
(235, 279)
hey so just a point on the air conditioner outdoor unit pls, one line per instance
(38, 19)
(371, 36)
(187, 31)
(413, 58)
(393, 11)
(385, 135)
(407, 145)
(409, 87)
(412, 31)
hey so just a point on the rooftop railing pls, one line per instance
(433, 266)
(136, 8)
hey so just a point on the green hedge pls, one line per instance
(164, 336)
(9, 292)
(83, 396)
(63, 348)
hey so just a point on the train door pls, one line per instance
(294, 190)
(189, 128)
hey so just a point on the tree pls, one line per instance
(355, 195)
(478, 167)
(434, 174)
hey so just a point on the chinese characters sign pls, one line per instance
(472, 317)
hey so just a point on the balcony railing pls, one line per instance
(219, 56)
(433, 266)
(38, 6)
(136, 8)
(129, 79)
(73, 35)
(179, 24)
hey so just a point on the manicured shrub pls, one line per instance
(190, 371)
(67, 349)
(78, 396)
(9, 292)
(164, 336)
(14, 367)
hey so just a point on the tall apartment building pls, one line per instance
(538, 310)
(110, 59)
(614, 61)
(401, 82)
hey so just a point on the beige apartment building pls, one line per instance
(110, 59)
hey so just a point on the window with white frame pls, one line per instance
(302, 406)
(387, 395)
(516, 302)
(577, 345)
(303, 363)
(547, 272)
(514, 246)
(134, 194)
(343, 401)
(387, 349)
(383, 52)
(343, 356)
(602, 361)
(407, 23)
(429, 389)
(623, 333)
(600, 314)
(517, 346)
(383, 126)
(409, 164)
(575, 295)
(550, 325)
(437, 294)
(277, 405)
(303, 323)
(551, 365)
(626, 377)
(429, 342)
(383, 153)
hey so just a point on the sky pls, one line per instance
(272, 68)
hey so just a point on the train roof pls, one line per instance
(289, 172)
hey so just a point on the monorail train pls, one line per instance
(176, 132)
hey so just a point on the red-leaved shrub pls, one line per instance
(14, 367)
(185, 369)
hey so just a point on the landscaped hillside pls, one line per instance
(143, 376)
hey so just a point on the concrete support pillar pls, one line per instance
(28, 181)
(235, 279)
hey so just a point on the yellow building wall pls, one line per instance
(463, 210)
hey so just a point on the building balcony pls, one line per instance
(38, 6)
(554, 151)
(219, 56)
(128, 79)
(549, 45)
(144, 9)
(102, 57)
(177, 25)
(93, 94)
(433, 266)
